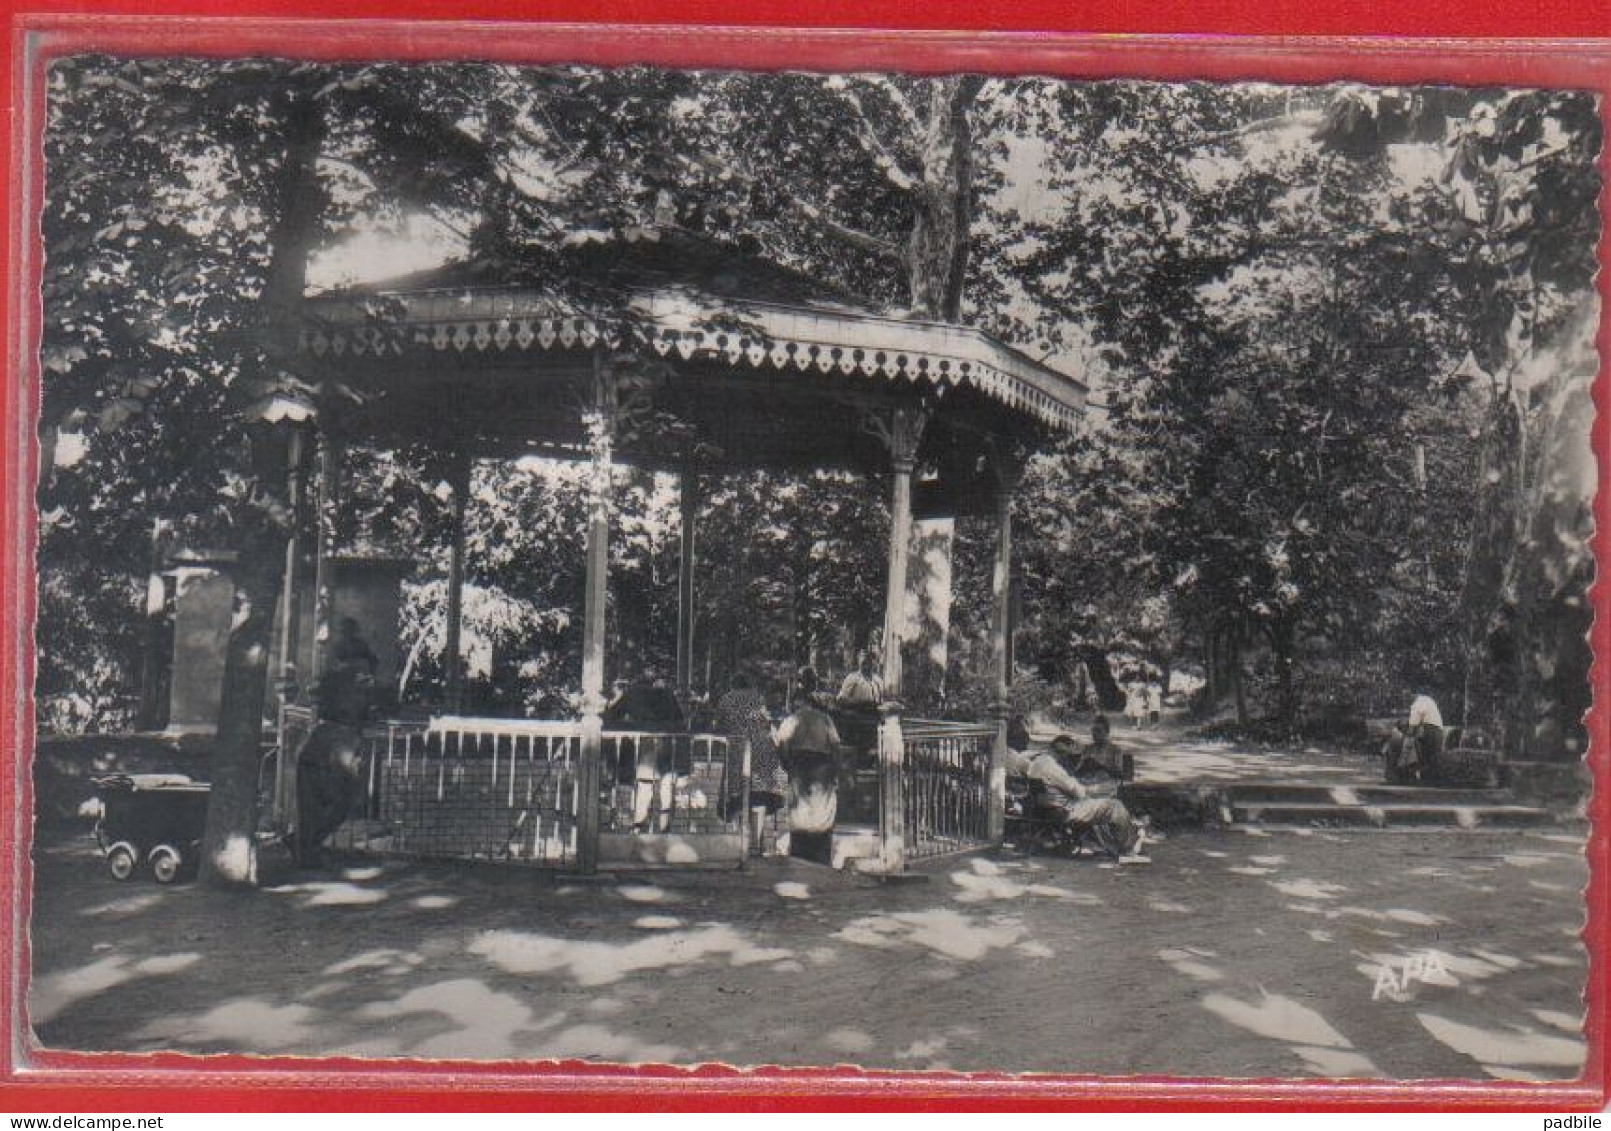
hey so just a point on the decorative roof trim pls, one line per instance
(687, 325)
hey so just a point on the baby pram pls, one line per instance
(155, 819)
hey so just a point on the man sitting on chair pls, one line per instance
(1087, 811)
(1419, 742)
(1083, 807)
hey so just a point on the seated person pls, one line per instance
(351, 649)
(647, 704)
(346, 690)
(1413, 752)
(1018, 734)
(862, 687)
(1101, 757)
(856, 710)
(1105, 820)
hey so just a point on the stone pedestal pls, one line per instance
(204, 602)
(368, 589)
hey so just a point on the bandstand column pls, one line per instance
(452, 659)
(1007, 472)
(688, 489)
(324, 503)
(600, 422)
(904, 434)
(290, 591)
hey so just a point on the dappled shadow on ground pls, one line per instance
(1232, 955)
(1164, 755)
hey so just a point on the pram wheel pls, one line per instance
(165, 863)
(122, 860)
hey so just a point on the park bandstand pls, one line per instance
(754, 370)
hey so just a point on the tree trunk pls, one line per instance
(156, 656)
(1547, 581)
(1234, 648)
(1495, 532)
(1109, 695)
(1282, 641)
(229, 856)
(800, 605)
(299, 206)
(937, 249)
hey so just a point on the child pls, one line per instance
(1135, 703)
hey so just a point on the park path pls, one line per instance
(1238, 952)
(1166, 755)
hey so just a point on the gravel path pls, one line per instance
(1236, 953)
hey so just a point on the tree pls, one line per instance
(1266, 314)
(865, 178)
(791, 565)
(139, 329)
(1270, 317)
(1517, 205)
(166, 272)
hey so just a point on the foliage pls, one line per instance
(1281, 297)
(1334, 336)
(791, 573)
(1517, 205)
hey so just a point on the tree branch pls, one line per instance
(865, 241)
(897, 97)
(351, 166)
(1250, 129)
(433, 213)
(844, 233)
(886, 161)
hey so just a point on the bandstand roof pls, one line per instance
(751, 363)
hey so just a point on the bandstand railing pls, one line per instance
(510, 790)
(945, 786)
(699, 784)
(476, 789)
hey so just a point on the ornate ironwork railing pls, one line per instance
(510, 789)
(674, 783)
(945, 786)
(478, 789)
